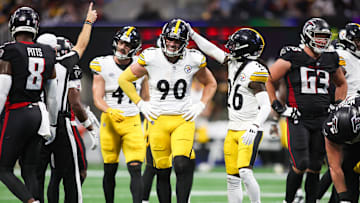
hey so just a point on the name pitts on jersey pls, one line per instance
(32, 65)
(170, 84)
(309, 78)
(114, 96)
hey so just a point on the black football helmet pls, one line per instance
(174, 29)
(343, 125)
(351, 38)
(316, 34)
(24, 19)
(245, 43)
(128, 34)
(63, 47)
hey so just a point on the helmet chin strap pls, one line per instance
(121, 56)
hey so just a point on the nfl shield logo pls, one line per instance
(187, 69)
(242, 77)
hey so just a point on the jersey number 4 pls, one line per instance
(36, 68)
(314, 81)
(120, 94)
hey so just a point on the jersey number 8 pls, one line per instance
(36, 68)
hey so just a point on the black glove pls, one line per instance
(278, 107)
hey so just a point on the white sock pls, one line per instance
(251, 185)
(145, 201)
(234, 191)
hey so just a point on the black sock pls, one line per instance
(136, 182)
(109, 181)
(324, 184)
(53, 187)
(14, 184)
(293, 183)
(163, 186)
(311, 186)
(184, 169)
(148, 177)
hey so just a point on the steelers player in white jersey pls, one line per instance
(248, 106)
(120, 120)
(171, 69)
(348, 50)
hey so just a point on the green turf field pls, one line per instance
(209, 187)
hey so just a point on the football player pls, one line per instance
(67, 150)
(341, 130)
(26, 68)
(120, 120)
(348, 49)
(308, 71)
(246, 92)
(170, 111)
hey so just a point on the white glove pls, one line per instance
(147, 110)
(94, 136)
(293, 113)
(194, 111)
(191, 31)
(344, 201)
(52, 135)
(250, 134)
(92, 117)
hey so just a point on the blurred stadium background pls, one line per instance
(279, 21)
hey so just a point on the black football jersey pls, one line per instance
(32, 64)
(308, 80)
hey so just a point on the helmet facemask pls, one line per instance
(245, 43)
(316, 34)
(131, 38)
(174, 30)
(352, 38)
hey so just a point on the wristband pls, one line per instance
(344, 196)
(86, 123)
(88, 22)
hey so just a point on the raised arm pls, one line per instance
(341, 85)
(207, 47)
(84, 36)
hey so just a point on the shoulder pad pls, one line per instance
(144, 56)
(95, 65)
(290, 49)
(76, 74)
(199, 57)
(258, 72)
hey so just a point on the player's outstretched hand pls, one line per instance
(91, 14)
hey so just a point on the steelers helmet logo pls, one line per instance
(187, 69)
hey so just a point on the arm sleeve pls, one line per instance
(209, 48)
(125, 82)
(263, 101)
(5, 84)
(50, 88)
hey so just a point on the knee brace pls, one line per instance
(182, 164)
(134, 168)
(303, 165)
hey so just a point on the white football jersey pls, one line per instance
(114, 96)
(170, 84)
(242, 104)
(351, 64)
